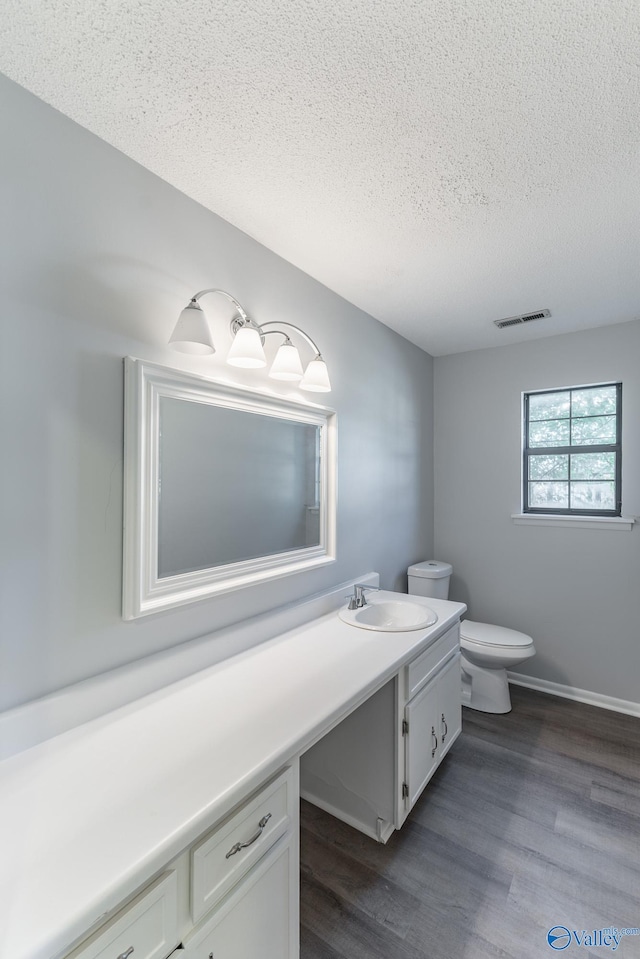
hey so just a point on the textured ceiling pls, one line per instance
(439, 164)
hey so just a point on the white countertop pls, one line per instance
(88, 817)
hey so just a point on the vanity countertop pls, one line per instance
(88, 817)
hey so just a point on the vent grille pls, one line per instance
(523, 318)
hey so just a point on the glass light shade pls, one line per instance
(316, 377)
(286, 365)
(191, 333)
(246, 350)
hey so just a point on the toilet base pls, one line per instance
(486, 690)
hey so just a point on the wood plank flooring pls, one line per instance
(532, 821)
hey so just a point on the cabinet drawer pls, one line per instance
(422, 668)
(260, 918)
(145, 929)
(231, 849)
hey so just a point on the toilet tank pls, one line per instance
(430, 578)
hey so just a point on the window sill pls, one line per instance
(618, 524)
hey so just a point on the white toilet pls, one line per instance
(487, 651)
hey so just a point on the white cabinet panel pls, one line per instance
(234, 846)
(259, 919)
(433, 722)
(449, 706)
(424, 666)
(421, 740)
(350, 772)
(145, 929)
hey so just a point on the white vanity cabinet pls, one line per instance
(233, 894)
(371, 768)
(259, 919)
(432, 721)
(199, 857)
(226, 854)
(247, 869)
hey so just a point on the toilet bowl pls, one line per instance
(487, 651)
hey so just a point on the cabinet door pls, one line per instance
(449, 724)
(259, 920)
(421, 740)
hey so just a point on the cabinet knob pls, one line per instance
(446, 728)
(434, 742)
(126, 953)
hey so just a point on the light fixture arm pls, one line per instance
(278, 323)
(241, 311)
(264, 333)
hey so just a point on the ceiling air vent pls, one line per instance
(523, 318)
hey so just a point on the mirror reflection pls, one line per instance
(233, 485)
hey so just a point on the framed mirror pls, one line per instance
(223, 488)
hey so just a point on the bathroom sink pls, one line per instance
(392, 616)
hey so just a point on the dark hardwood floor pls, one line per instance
(532, 821)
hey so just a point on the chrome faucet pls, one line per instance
(357, 601)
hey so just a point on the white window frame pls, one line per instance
(577, 519)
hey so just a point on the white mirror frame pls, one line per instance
(143, 591)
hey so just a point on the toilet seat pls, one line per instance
(485, 635)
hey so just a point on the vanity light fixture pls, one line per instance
(287, 364)
(192, 335)
(246, 350)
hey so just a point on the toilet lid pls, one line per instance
(485, 634)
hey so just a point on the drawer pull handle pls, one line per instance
(434, 742)
(446, 728)
(125, 955)
(243, 845)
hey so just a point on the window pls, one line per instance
(572, 451)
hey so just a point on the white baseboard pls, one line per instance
(571, 692)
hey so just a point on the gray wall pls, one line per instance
(98, 257)
(576, 591)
